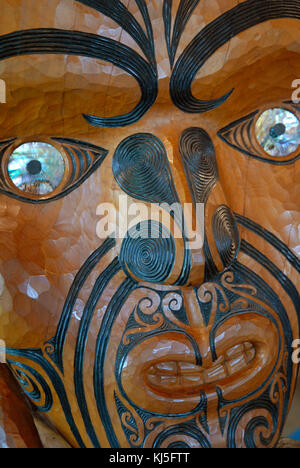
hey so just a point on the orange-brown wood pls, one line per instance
(16, 423)
(162, 386)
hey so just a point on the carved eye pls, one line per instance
(272, 136)
(36, 168)
(278, 132)
(41, 171)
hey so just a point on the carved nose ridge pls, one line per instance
(199, 160)
(226, 234)
(151, 252)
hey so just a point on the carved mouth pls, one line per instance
(162, 375)
(178, 377)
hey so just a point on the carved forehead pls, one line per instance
(186, 17)
(220, 40)
(226, 29)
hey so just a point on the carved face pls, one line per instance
(144, 342)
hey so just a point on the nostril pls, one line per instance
(226, 234)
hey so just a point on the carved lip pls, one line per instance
(161, 373)
(186, 378)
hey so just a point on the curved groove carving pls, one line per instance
(213, 36)
(59, 41)
(144, 352)
(36, 357)
(111, 314)
(4, 145)
(148, 252)
(84, 159)
(226, 234)
(200, 164)
(54, 347)
(270, 238)
(239, 136)
(33, 385)
(188, 431)
(185, 11)
(241, 290)
(201, 169)
(101, 283)
(285, 282)
(142, 170)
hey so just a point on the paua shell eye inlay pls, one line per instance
(278, 132)
(36, 168)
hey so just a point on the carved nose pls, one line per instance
(221, 239)
(156, 253)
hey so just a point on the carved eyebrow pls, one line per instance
(185, 10)
(240, 18)
(58, 41)
(115, 10)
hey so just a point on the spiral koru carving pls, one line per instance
(148, 252)
(142, 169)
(199, 160)
(226, 234)
(212, 37)
(33, 385)
(173, 34)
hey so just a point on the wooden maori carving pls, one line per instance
(148, 340)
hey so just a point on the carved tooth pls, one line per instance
(226, 369)
(166, 380)
(167, 367)
(248, 346)
(234, 351)
(153, 379)
(152, 370)
(192, 380)
(237, 364)
(250, 355)
(186, 374)
(162, 380)
(188, 367)
(215, 374)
